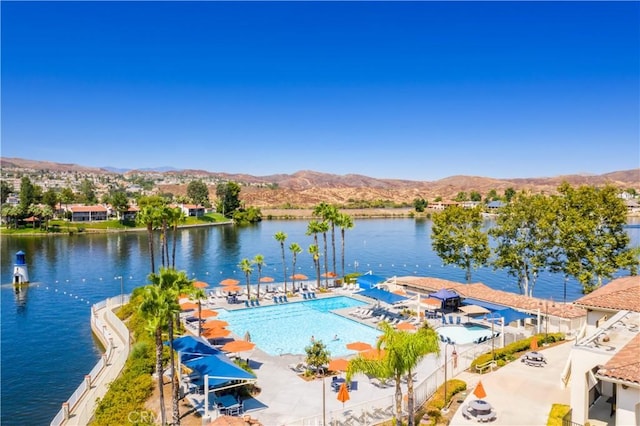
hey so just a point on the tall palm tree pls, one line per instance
(313, 228)
(315, 254)
(245, 265)
(172, 283)
(281, 237)
(295, 249)
(149, 217)
(324, 227)
(344, 221)
(153, 310)
(258, 260)
(177, 217)
(329, 213)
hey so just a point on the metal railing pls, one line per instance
(103, 330)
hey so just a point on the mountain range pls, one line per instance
(307, 188)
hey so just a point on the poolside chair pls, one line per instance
(246, 304)
(313, 295)
(276, 299)
(458, 321)
(451, 319)
(444, 320)
(284, 298)
(257, 302)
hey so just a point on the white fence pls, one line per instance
(383, 409)
(103, 332)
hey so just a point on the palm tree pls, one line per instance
(173, 283)
(281, 238)
(344, 221)
(295, 249)
(329, 213)
(258, 260)
(324, 227)
(245, 265)
(315, 253)
(402, 353)
(177, 217)
(153, 310)
(148, 216)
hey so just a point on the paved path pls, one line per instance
(520, 394)
(84, 409)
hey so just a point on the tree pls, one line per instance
(245, 265)
(591, 239)
(317, 355)
(258, 260)
(492, 195)
(172, 283)
(50, 198)
(88, 192)
(419, 204)
(344, 222)
(120, 202)
(315, 254)
(198, 192)
(27, 193)
(475, 196)
(461, 196)
(458, 239)
(149, 216)
(324, 227)
(295, 250)
(228, 198)
(509, 193)
(525, 238)
(281, 237)
(154, 311)
(5, 190)
(177, 217)
(402, 351)
(67, 196)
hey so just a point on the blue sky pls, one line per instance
(409, 90)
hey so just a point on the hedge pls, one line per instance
(508, 353)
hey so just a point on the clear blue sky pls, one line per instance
(410, 90)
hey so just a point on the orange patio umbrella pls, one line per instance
(338, 364)
(299, 277)
(400, 291)
(330, 274)
(343, 393)
(229, 281)
(216, 333)
(238, 346)
(359, 346)
(214, 324)
(231, 288)
(208, 313)
(406, 326)
(200, 284)
(373, 354)
(479, 391)
(266, 279)
(188, 306)
(534, 343)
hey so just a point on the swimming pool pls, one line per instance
(462, 335)
(282, 329)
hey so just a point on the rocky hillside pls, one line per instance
(307, 188)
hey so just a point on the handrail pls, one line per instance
(481, 367)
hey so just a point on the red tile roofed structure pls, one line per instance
(485, 293)
(625, 365)
(619, 294)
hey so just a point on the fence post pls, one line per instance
(87, 378)
(65, 410)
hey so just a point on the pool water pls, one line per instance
(288, 328)
(462, 335)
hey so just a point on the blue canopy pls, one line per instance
(192, 347)
(219, 368)
(382, 295)
(508, 314)
(370, 280)
(444, 294)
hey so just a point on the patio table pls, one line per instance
(482, 407)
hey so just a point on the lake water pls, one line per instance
(47, 345)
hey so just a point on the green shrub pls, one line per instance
(557, 413)
(512, 350)
(437, 400)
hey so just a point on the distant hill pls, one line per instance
(306, 188)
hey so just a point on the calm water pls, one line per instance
(288, 328)
(47, 345)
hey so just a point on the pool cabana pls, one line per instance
(450, 299)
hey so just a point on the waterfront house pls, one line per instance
(88, 213)
(192, 210)
(603, 370)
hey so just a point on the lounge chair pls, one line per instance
(444, 320)
(257, 302)
(313, 295)
(246, 304)
(276, 299)
(458, 321)
(450, 319)
(284, 298)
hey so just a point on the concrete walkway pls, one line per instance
(84, 409)
(521, 394)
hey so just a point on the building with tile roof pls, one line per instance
(603, 370)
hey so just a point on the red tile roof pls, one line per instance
(625, 365)
(620, 294)
(485, 293)
(84, 209)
